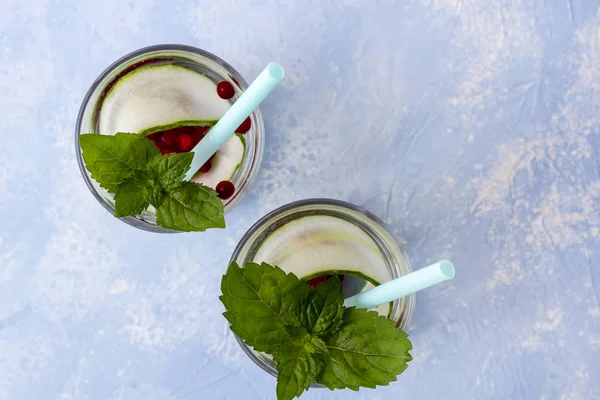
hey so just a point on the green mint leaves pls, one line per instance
(131, 167)
(274, 298)
(190, 207)
(366, 351)
(112, 159)
(132, 195)
(170, 169)
(310, 334)
(321, 311)
(296, 370)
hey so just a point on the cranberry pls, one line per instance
(178, 140)
(245, 126)
(200, 131)
(225, 189)
(225, 90)
(168, 138)
(198, 134)
(184, 142)
(314, 282)
(206, 167)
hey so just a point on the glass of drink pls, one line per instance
(319, 238)
(173, 94)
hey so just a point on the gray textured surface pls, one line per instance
(473, 127)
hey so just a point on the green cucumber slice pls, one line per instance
(157, 95)
(318, 245)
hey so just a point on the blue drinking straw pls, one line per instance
(233, 118)
(403, 286)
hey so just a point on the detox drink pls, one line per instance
(173, 95)
(318, 239)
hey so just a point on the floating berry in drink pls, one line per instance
(206, 167)
(225, 90)
(314, 282)
(225, 189)
(245, 126)
(184, 142)
(168, 138)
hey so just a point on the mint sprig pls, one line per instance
(131, 167)
(310, 334)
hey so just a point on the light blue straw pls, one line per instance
(403, 286)
(233, 118)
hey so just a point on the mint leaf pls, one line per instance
(132, 195)
(170, 169)
(311, 335)
(299, 337)
(296, 370)
(321, 311)
(292, 289)
(156, 197)
(112, 159)
(156, 193)
(190, 207)
(367, 350)
(260, 300)
(296, 333)
(131, 167)
(168, 172)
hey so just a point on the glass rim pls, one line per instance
(405, 316)
(259, 130)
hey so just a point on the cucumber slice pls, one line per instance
(157, 95)
(321, 245)
(178, 124)
(224, 163)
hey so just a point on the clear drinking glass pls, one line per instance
(396, 262)
(189, 57)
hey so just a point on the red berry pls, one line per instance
(202, 129)
(225, 90)
(245, 126)
(225, 189)
(314, 282)
(164, 151)
(206, 167)
(155, 138)
(168, 138)
(185, 142)
(198, 134)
